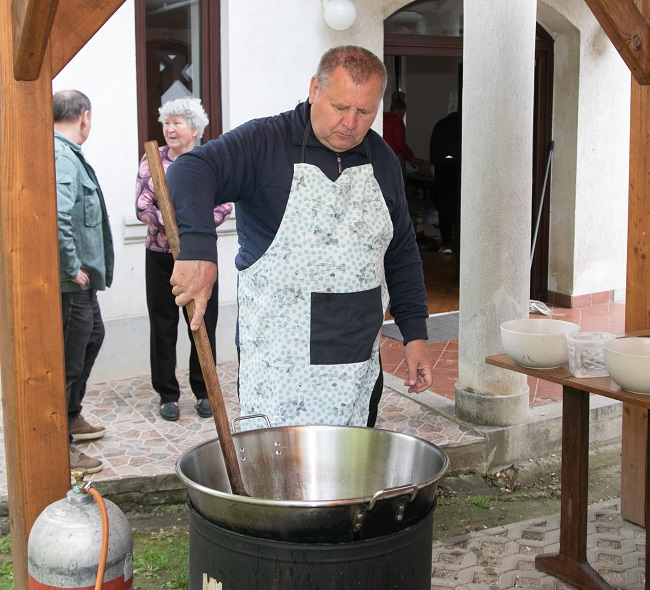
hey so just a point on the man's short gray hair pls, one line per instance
(190, 108)
(359, 63)
(69, 105)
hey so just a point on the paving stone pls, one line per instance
(616, 554)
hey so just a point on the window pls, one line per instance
(177, 52)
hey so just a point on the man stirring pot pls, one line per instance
(326, 241)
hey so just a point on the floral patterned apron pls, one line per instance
(311, 308)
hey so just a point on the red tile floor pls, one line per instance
(442, 292)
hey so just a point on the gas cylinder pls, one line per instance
(64, 549)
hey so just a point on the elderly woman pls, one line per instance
(183, 121)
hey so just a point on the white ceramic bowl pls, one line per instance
(628, 363)
(537, 344)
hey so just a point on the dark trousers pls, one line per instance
(163, 323)
(375, 396)
(83, 335)
(446, 198)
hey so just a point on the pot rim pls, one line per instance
(192, 485)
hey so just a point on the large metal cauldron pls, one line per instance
(316, 484)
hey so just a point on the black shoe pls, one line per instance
(169, 411)
(203, 408)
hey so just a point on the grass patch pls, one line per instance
(482, 502)
(160, 559)
(6, 564)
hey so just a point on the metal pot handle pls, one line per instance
(385, 495)
(394, 493)
(248, 417)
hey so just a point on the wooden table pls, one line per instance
(570, 563)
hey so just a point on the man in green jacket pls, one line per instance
(86, 261)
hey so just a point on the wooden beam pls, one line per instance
(75, 23)
(31, 342)
(626, 24)
(637, 299)
(32, 21)
(627, 29)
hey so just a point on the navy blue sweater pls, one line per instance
(252, 166)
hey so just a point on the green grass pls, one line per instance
(482, 502)
(160, 559)
(6, 569)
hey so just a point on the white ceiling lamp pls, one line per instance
(339, 14)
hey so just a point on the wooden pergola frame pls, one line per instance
(626, 24)
(37, 39)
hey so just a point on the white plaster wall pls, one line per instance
(105, 70)
(270, 51)
(589, 187)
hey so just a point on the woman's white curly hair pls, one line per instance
(190, 108)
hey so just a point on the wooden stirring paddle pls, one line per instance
(200, 336)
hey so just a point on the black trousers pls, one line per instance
(446, 198)
(163, 323)
(83, 335)
(375, 396)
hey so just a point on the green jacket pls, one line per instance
(85, 239)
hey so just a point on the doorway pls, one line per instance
(423, 48)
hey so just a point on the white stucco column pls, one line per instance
(497, 122)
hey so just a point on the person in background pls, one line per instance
(86, 262)
(183, 121)
(325, 240)
(395, 130)
(444, 153)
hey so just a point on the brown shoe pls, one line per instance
(79, 460)
(81, 430)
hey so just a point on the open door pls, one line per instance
(428, 31)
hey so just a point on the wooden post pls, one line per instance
(626, 24)
(637, 301)
(31, 344)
